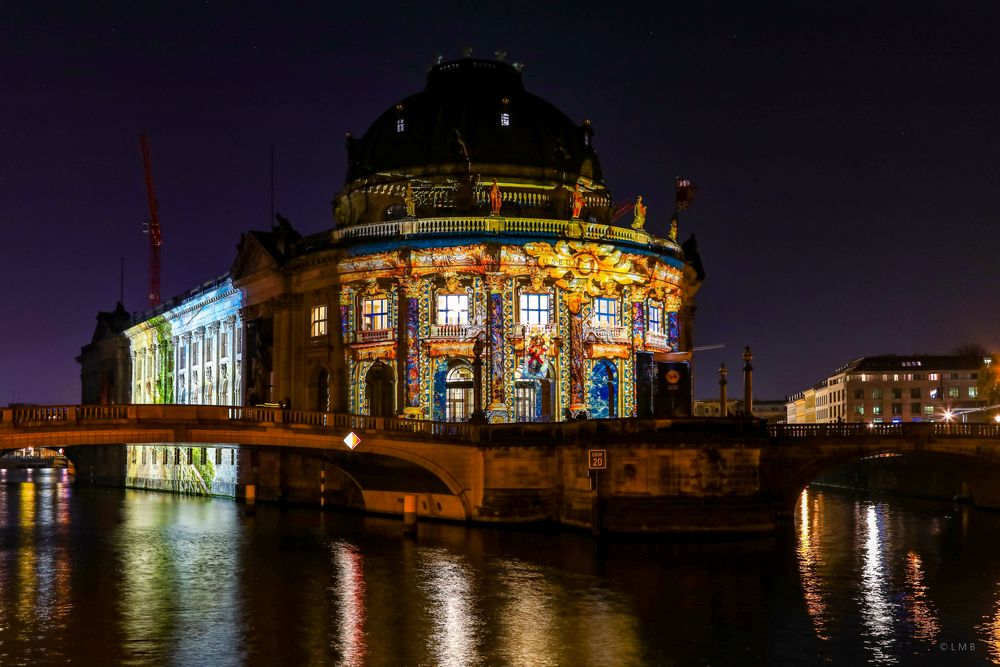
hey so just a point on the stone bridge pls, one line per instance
(661, 476)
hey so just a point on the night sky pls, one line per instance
(846, 156)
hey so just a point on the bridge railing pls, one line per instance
(898, 430)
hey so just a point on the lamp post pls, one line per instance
(747, 382)
(723, 407)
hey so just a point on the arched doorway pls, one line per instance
(604, 390)
(322, 391)
(459, 393)
(380, 391)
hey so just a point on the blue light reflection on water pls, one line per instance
(108, 576)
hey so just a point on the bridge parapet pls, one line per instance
(596, 432)
(898, 430)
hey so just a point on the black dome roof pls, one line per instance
(457, 120)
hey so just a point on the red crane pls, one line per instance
(153, 226)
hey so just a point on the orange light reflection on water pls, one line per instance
(810, 520)
(925, 622)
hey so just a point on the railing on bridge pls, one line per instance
(898, 430)
(596, 430)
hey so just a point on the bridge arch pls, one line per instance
(973, 464)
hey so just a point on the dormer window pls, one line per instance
(400, 124)
(504, 119)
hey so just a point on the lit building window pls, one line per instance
(460, 399)
(876, 409)
(375, 314)
(504, 119)
(933, 376)
(453, 309)
(973, 392)
(655, 319)
(400, 124)
(859, 409)
(934, 393)
(928, 409)
(876, 394)
(952, 392)
(318, 321)
(606, 311)
(534, 308)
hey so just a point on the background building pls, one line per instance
(473, 273)
(891, 388)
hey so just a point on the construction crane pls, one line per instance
(153, 226)
(620, 211)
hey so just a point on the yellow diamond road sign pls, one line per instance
(352, 440)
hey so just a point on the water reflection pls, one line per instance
(349, 589)
(919, 608)
(528, 619)
(877, 608)
(446, 581)
(102, 576)
(809, 533)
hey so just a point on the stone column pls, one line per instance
(186, 343)
(747, 382)
(495, 330)
(410, 368)
(177, 367)
(340, 390)
(213, 343)
(577, 401)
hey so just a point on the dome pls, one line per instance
(472, 113)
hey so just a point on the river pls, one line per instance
(104, 576)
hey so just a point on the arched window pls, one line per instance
(459, 397)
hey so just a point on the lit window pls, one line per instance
(319, 321)
(933, 376)
(928, 409)
(934, 393)
(460, 399)
(400, 124)
(375, 314)
(453, 309)
(505, 119)
(973, 392)
(859, 409)
(876, 409)
(876, 394)
(952, 392)
(655, 319)
(606, 311)
(534, 308)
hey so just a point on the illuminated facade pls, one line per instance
(474, 273)
(189, 350)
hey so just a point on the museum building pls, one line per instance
(474, 273)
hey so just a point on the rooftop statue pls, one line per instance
(576, 199)
(496, 200)
(639, 214)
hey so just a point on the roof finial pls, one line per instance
(518, 66)
(501, 54)
(468, 52)
(437, 58)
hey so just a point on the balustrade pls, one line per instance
(453, 225)
(376, 336)
(456, 331)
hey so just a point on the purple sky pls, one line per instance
(845, 158)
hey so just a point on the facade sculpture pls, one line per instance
(639, 214)
(455, 312)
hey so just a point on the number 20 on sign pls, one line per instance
(598, 459)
